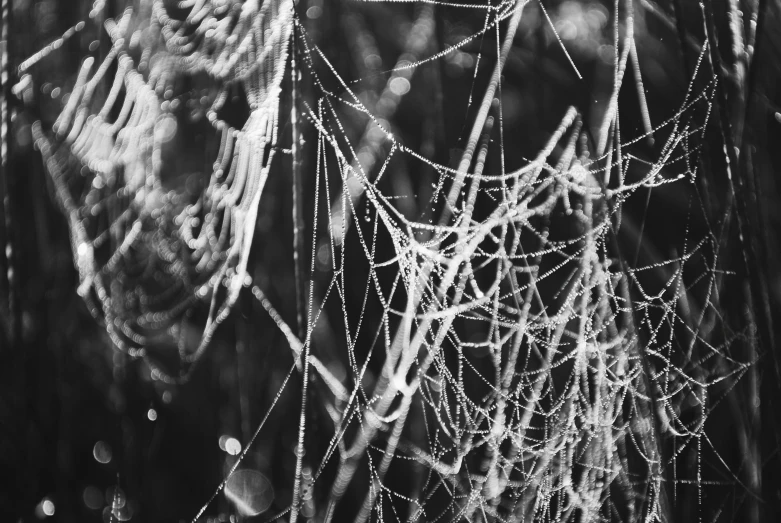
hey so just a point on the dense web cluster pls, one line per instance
(530, 368)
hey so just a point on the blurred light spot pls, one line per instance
(115, 497)
(323, 257)
(377, 132)
(566, 29)
(229, 444)
(165, 129)
(308, 510)
(597, 15)
(578, 173)
(581, 25)
(23, 136)
(606, 53)
(386, 104)
(372, 61)
(46, 507)
(366, 158)
(92, 498)
(111, 514)
(124, 513)
(457, 62)
(232, 446)
(151, 414)
(512, 107)
(314, 12)
(102, 450)
(135, 39)
(167, 396)
(249, 491)
(399, 86)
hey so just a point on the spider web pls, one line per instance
(507, 349)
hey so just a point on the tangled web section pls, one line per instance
(529, 369)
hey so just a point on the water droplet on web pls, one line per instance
(250, 492)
